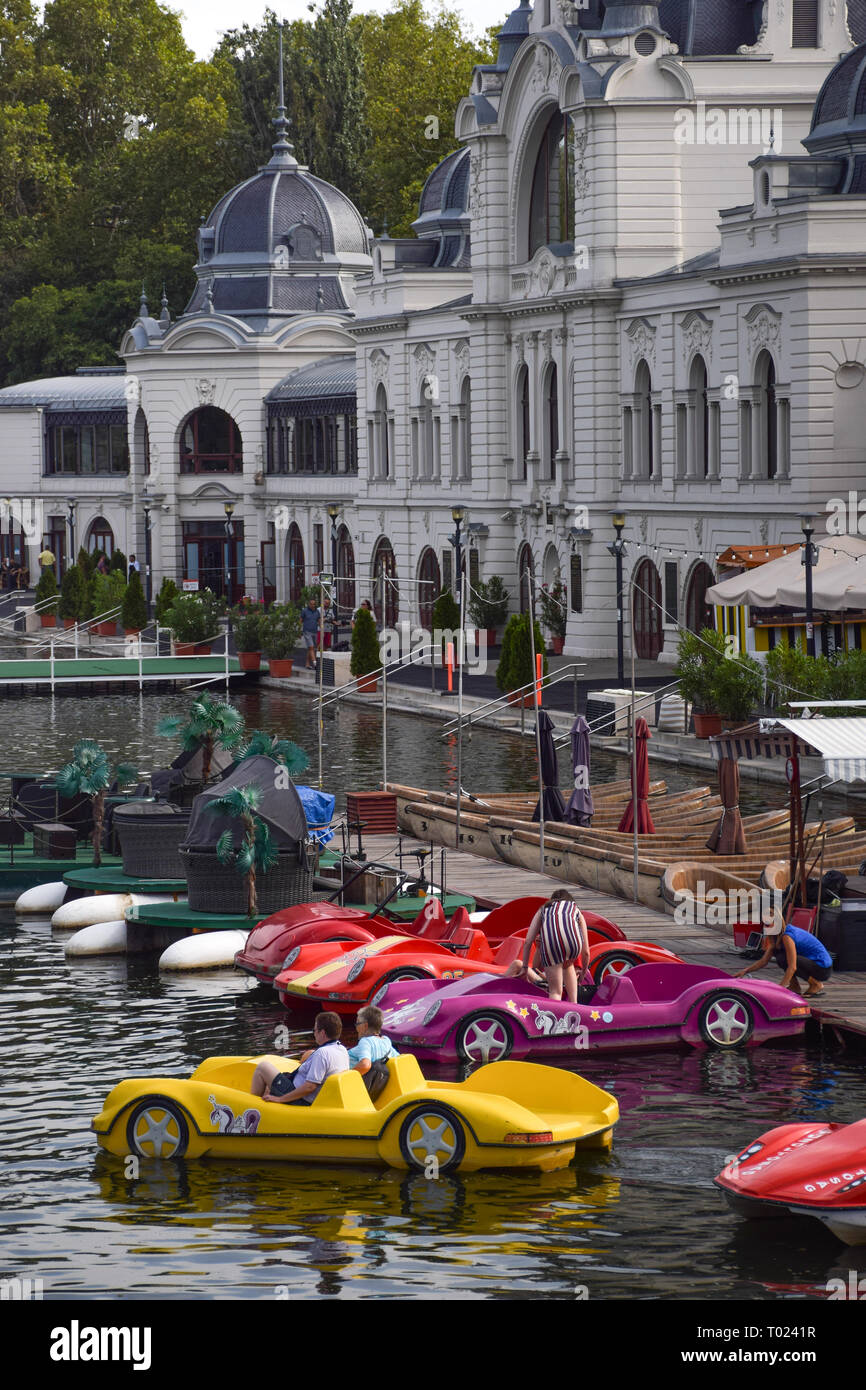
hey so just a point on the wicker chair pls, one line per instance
(219, 888)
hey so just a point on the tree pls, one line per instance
(515, 669)
(89, 774)
(210, 724)
(133, 611)
(257, 853)
(46, 590)
(366, 657)
(73, 594)
(168, 592)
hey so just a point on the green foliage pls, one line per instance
(74, 595)
(133, 613)
(488, 604)
(366, 657)
(210, 724)
(90, 774)
(194, 617)
(737, 688)
(86, 562)
(247, 622)
(515, 668)
(282, 750)
(168, 592)
(309, 591)
(118, 561)
(792, 674)
(699, 656)
(281, 631)
(257, 852)
(46, 590)
(553, 605)
(446, 613)
(109, 591)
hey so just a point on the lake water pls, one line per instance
(643, 1222)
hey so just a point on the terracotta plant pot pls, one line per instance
(557, 643)
(491, 637)
(107, 629)
(184, 648)
(280, 666)
(521, 701)
(250, 661)
(707, 725)
(48, 619)
(202, 649)
(132, 632)
(68, 623)
(368, 685)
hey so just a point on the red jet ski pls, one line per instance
(806, 1170)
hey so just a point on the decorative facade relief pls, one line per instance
(546, 346)
(462, 357)
(642, 341)
(697, 336)
(476, 171)
(581, 169)
(765, 328)
(205, 390)
(380, 366)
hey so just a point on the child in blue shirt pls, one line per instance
(371, 1046)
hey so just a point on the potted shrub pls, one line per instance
(73, 607)
(515, 668)
(366, 659)
(133, 612)
(118, 561)
(168, 592)
(488, 606)
(281, 632)
(109, 591)
(193, 618)
(248, 631)
(46, 596)
(737, 687)
(553, 602)
(90, 774)
(446, 618)
(699, 656)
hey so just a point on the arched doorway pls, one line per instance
(386, 596)
(525, 561)
(100, 537)
(429, 586)
(295, 553)
(647, 612)
(210, 442)
(699, 613)
(346, 599)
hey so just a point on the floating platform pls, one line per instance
(407, 909)
(20, 677)
(109, 879)
(27, 869)
(155, 926)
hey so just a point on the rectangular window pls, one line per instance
(119, 462)
(88, 460)
(745, 439)
(576, 584)
(318, 549)
(102, 445)
(447, 571)
(627, 444)
(805, 24)
(69, 448)
(672, 589)
(351, 443)
(682, 441)
(416, 462)
(473, 568)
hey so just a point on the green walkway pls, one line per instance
(114, 668)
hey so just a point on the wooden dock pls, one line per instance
(842, 1009)
(32, 676)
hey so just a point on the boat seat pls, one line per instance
(431, 922)
(404, 1079)
(462, 940)
(345, 1091)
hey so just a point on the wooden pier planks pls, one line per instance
(843, 1007)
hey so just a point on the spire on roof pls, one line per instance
(143, 310)
(284, 150)
(165, 316)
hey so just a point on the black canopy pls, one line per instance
(281, 807)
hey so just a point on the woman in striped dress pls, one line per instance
(563, 943)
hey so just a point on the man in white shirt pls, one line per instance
(327, 1059)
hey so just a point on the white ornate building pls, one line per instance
(632, 290)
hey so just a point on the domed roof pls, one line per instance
(512, 33)
(257, 215)
(444, 211)
(703, 27)
(841, 105)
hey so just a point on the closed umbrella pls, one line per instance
(580, 809)
(551, 797)
(729, 837)
(644, 819)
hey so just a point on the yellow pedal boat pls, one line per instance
(506, 1115)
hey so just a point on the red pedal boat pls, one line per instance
(807, 1170)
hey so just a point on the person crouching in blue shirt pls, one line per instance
(371, 1045)
(800, 954)
(327, 1059)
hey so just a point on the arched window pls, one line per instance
(523, 421)
(699, 613)
(295, 548)
(551, 421)
(425, 434)
(463, 455)
(644, 450)
(647, 612)
(765, 379)
(386, 596)
(346, 599)
(525, 562)
(429, 586)
(100, 537)
(210, 442)
(551, 209)
(698, 383)
(381, 454)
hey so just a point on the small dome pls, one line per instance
(841, 104)
(260, 214)
(512, 33)
(704, 27)
(444, 211)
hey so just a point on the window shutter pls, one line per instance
(576, 584)
(672, 585)
(805, 24)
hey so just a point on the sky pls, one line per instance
(205, 20)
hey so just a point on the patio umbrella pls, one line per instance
(580, 809)
(729, 837)
(644, 819)
(551, 797)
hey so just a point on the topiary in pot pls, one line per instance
(194, 620)
(737, 688)
(168, 592)
(109, 591)
(366, 656)
(554, 612)
(133, 612)
(699, 655)
(281, 633)
(73, 607)
(515, 668)
(118, 561)
(46, 596)
(488, 606)
(247, 620)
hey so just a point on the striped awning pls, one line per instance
(841, 743)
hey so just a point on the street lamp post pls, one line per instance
(807, 526)
(70, 512)
(148, 573)
(333, 513)
(458, 516)
(617, 549)
(229, 511)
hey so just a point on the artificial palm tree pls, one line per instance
(282, 750)
(257, 851)
(90, 774)
(210, 724)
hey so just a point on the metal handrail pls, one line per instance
(564, 673)
(352, 685)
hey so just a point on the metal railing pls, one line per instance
(569, 672)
